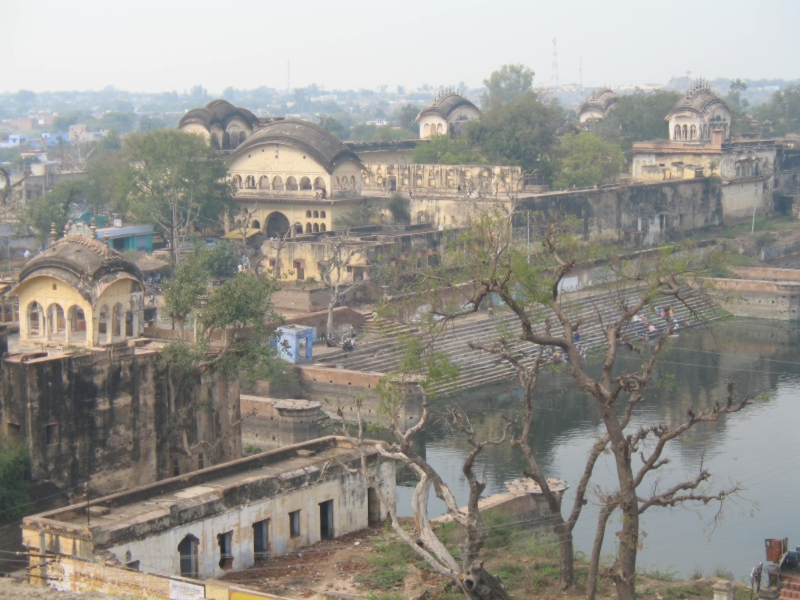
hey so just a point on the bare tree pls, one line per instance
(340, 249)
(486, 256)
(469, 575)
(7, 190)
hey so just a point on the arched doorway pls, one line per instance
(277, 225)
(188, 553)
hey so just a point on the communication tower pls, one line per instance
(554, 82)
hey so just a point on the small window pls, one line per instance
(55, 287)
(225, 541)
(201, 463)
(13, 433)
(176, 467)
(261, 539)
(294, 524)
(51, 434)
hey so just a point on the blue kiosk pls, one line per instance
(295, 343)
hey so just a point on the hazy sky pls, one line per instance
(165, 45)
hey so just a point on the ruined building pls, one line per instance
(226, 517)
(88, 397)
(597, 106)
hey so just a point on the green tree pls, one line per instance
(520, 132)
(585, 160)
(781, 114)
(638, 117)
(506, 85)
(335, 126)
(240, 308)
(406, 115)
(184, 291)
(15, 475)
(174, 180)
(360, 215)
(221, 259)
(53, 207)
(398, 206)
(446, 150)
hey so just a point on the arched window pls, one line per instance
(316, 214)
(439, 129)
(237, 182)
(319, 183)
(277, 183)
(352, 182)
(226, 141)
(234, 137)
(322, 227)
(322, 214)
(677, 134)
(305, 183)
(263, 183)
(685, 132)
(344, 183)
(426, 130)
(35, 318)
(117, 317)
(255, 225)
(187, 550)
(336, 183)
(291, 184)
(308, 214)
(316, 228)
(242, 136)
(250, 182)
(308, 228)
(693, 132)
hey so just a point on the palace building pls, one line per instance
(79, 292)
(448, 113)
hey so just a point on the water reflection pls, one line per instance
(755, 449)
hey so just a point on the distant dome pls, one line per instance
(601, 100)
(83, 263)
(218, 112)
(699, 99)
(316, 141)
(446, 105)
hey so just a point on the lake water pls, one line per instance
(756, 449)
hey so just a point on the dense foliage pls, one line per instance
(15, 466)
(584, 160)
(446, 150)
(637, 117)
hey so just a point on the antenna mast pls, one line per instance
(554, 82)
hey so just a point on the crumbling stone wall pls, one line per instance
(104, 417)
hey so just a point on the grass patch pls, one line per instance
(390, 562)
(660, 575)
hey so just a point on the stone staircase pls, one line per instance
(478, 368)
(791, 587)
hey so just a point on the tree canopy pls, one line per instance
(781, 114)
(584, 160)
(506, 85)
(519, 132)
(638, 117)
(175, 181)
(446, 150)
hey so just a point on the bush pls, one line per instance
(15, 469)
(398, 206)
(221, 260)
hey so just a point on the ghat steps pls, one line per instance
(478, 368)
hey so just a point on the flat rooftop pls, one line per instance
(170, 502)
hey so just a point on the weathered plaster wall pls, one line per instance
(267, 426)
(739, 198)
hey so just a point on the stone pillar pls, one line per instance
(67, 329)
(110, 327)
(136, 324)
(723, 590)
(45, 320)
(297, 420)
